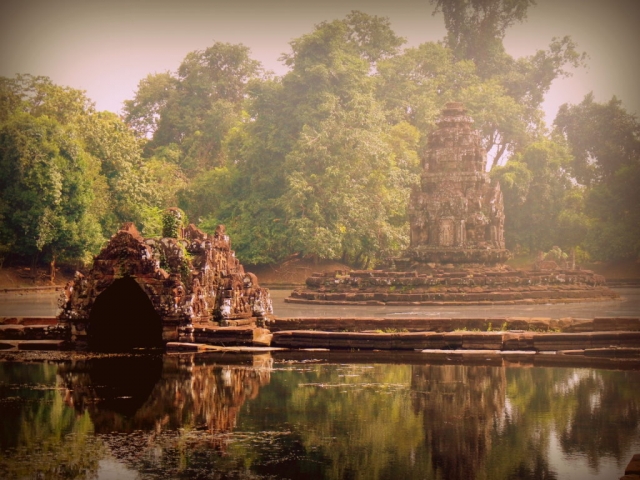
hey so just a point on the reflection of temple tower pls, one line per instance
(462, 407)
(456, 214)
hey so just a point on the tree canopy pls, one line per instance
(605, 143)
(69, 175)
(320, 161)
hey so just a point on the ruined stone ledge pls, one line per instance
(14, 345)
(182, 347)
(535, 342)
(26, 290)
(469, 255)
(484, 324)
(537, 334)
(212, 335)
(28, 321)
(633, 467)
(473, 283)
(34, 332)
(541, 300)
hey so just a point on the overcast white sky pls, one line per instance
(107, 46)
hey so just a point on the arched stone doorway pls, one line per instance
(123, 318)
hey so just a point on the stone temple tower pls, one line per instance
(457, 242)
(456, 213)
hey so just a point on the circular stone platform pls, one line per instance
(482, 286)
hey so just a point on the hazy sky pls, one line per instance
(107, 46)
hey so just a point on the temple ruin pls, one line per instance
(144, 292)
(457, 246)
(456, 213)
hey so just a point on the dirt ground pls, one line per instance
(22, 277)
(292, 272)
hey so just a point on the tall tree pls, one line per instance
(67, 171)
(475, 32)
(315, 163)
(122, 176)
(605, 142)
(194, 109)
(476, 28)
(603, 137)
(46, 195)
(417, 84)
(535, 184)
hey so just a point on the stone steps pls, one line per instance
(28, 321)
(9, 345)
(502, 297)
(34, 332)
(236, 336)
(429, 324)
(598, 336)
(185, 347)
(503, 341)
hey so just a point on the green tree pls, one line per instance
(315, 164)
(605, 143)
(417, 84)
(603, 137)
(46, 198)
(193, 110)
(72, 175)
(476, 28)
(507, 105)
(122, 175)
(142, 114)
(535, 185)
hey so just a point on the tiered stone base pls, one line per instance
(475, 286)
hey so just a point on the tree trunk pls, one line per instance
(358, 260)
(34, 268)
(499, 154)
(52, 269)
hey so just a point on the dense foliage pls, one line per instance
(69, 176)
(319, 162)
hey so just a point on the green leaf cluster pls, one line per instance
(605, 143)
(69, 175)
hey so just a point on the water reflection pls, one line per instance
(462, 406)
(191, 416)
(129, 394)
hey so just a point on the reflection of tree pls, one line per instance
(344, 421)
(40, 437)
(592, 412)
(179, 417)
(605, 418)
(521, 440)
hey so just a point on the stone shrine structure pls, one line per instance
(457, 246)
(456, 214)
(144, 292)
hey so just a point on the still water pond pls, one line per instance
(212, 416)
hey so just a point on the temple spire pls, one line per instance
(456, 213)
